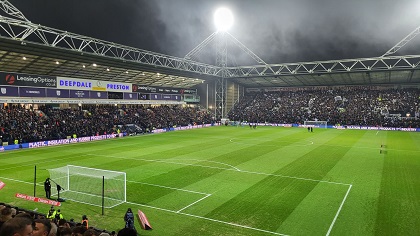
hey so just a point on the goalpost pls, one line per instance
(97, 187)
(315, 123)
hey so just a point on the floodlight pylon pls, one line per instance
(221, 83)
(199, 47)
(403, 42)
(221, 39)
(246, 50)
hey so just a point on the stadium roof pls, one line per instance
(346, 78)
(36, 59)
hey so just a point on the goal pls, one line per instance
(97, 187)
(315, 123)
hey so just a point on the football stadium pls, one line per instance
(100, 138)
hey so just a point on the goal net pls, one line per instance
(315, 123)
(86, 185)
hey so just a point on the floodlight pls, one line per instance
(223, 19)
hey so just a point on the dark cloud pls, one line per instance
(277, 30)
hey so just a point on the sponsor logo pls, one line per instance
(27, 80)
(78, 84)
(135, 88)
(130, 95)
(117, 86)
(99, 94)
(37, 199)
(10, 79)
(80, 94)
(146, 88)
(3, 91)
(58, 92)
(32, 92)
(35, 80)
(38, 144)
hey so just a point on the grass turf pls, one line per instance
(241, 181)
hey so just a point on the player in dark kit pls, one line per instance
(47, 187)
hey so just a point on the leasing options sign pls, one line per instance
(92, 85)
(15, 79)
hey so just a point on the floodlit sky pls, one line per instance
(278, 31)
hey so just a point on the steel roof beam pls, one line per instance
(332, 66)
(26, 31)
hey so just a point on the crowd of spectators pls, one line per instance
(49, 123)
(16, 221)
(362, 106)
(365, 106)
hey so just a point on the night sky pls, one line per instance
(278, 31)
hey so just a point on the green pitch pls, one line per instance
(241, 181)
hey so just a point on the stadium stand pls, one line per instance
(60, 227)
(47, 123)
(346, 106)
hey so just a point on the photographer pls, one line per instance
(47, 187)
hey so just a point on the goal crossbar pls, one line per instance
(90, 185)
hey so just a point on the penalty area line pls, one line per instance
(338, 211)
(19, 181)
(199, 200)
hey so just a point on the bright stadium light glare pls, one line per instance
(223, 19)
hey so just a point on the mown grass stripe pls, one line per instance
(399, 204)
(269, 202)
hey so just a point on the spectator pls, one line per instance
(85, 221)
(127, 232)
(89, 232)
(63, 231)
(6, 214)
(78, 230)
(18, 226)
(42, 227)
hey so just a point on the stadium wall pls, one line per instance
(333, 126)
